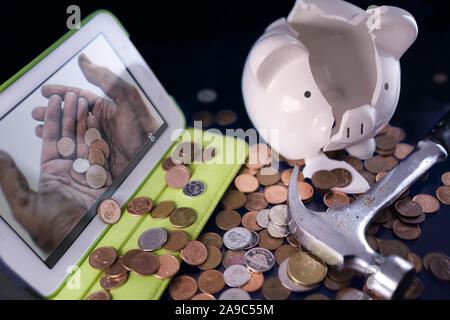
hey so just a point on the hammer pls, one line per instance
(338, 236)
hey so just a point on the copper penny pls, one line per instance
(252, 172)
(403, 150)
(276, 194)
(213, 260)
(338, 275)
(428, 203)
(203, 297)
(440, 267)
(380, 176)
(99, 296)
(274, 290)
(299, 162)
(384, 216)
(102, 258)
(370, 177)
(397, 133)
(408, 208)
(178, 176)
(268, 242)
(163, 210)
(100, 144)
(333, 198)
(117, 270)
(354, 162)
(168, 164)
(268, 176)
(228, 219)
(405, 231)
(335, 285)
(226, 117)
(205, 117)
(183, 288)
(415, 290)
(211, 239)
(324, 180)
(316, 297)
(373, 229)
(286, 176)
(344, 177)
(446, 178)
(232, 257)
(234, 200)
(211, 282)
(140, 206)
(391, 162)
(386, 144)
(97, 157)
(128, 257)
(260, 155)
(168, 267)
(256, 282)
(292, 240)
(430, 257)
(306, 191)
(145, 264)
(285, 252)
(246, 183)
(194, 253)
(376, 165)
(373, 243)
(176, 240)
(394, 247)
(109, 211)
(416, 261)
(256, 202)
(108, 283)
(183, 217)
(249, 221)
(443, 194)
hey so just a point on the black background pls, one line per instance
(192, 45)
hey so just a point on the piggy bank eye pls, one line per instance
(386, 86)
(308, 94)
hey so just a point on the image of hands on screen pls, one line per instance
(64, 195)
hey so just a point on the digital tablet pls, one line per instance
(88, 121)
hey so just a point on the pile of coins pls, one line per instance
(258, 240)
(94, 166)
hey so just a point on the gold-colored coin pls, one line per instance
(228, 219)
(305, 270)
(183, 218)
(211, 239)
(163, 210)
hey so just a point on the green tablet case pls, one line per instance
(217, 174)
(124, 235)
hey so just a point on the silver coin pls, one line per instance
(237, 239)
(194, 189)
(153, 239)
(255, 241)
(235, 294)
(81, 166)
(288, 283)
(236, 276)
(353, 295)
(259, 260)
(278, 232)
(279, 215)
(262, 218)
(207, 96)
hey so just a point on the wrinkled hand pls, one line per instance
(124, 119)
(63, 196)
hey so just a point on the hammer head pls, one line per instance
(338, 238)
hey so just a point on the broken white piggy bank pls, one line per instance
(327, 78)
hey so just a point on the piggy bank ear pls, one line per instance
(396, 31)
(271, 54)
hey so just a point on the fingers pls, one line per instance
(16, 190)
(92, 122)
(38, 113)
(82, 148)
(61, 91)
(39, 131)
(112, 85)
(69, 116)
(52, 129)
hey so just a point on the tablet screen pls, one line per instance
(70, 144)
